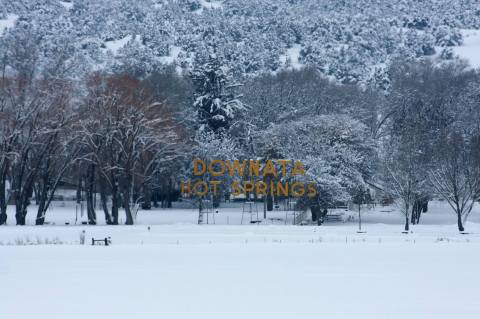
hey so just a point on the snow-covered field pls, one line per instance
(177, 269)
(67, 211)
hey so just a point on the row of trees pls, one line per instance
(113, 138)
(431, 143)
(129, 137)
(417, 141)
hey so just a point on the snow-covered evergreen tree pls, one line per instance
(215, 101)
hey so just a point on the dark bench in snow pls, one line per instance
(105, 242)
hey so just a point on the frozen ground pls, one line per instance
(181, 270)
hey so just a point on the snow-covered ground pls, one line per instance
(470, 50)
(173, 55)
(177, 269)
(292, 58)
(67, 211)
(67, 4)
(271, 280)
(115, 45)
(7, 23)
(209, 4)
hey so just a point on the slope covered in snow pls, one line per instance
(345, 40)
(470, 50)
(116, 45)
(67, 4)
(8, 22)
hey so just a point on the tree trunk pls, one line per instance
(20, 211)
(79, 190)
(460, 223)
(315, 209)
(21, 217)
(21, 204)
(215, 199)
(3, 202)
(115, 201)
(425, 207)
(417, 209)
(269, 202)
(42, 199)
(41, 193)
(413, 216)
(3, 216)
(407, 223)
(128, 211)
(419, 214)
(103, 199)
(126, 199)
(91, 214)
(170, 194)
(37, 191)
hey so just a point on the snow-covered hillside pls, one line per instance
(7, 23)
(346, 40)
(470, 49)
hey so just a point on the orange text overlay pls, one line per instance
(260, 188)
(218, 168)
(270, 171)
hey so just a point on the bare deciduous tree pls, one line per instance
(456, 177)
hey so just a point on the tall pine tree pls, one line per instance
(215, 101)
